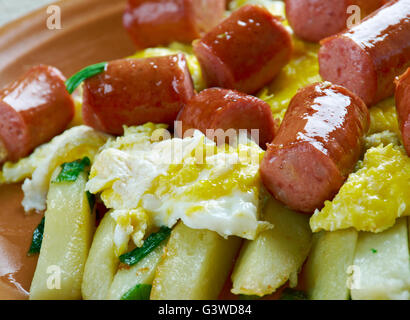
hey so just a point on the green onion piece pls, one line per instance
(139, 292)
(87, 72)
(91, 200)
(292, 294)
(37, 239)
(149, 245)
(71, 170)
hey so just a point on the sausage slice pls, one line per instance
(160, 22)
(313, 20)
(316, 147)
(33, 109)
(225, 109)
(135, 91)
(403, 107)
(244, 52)
(367, 58)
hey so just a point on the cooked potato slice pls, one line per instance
(195, 266)
(141, 273)
(68, 231)
(329, 264)
(267, 262)
(102, 263)
(382, 266)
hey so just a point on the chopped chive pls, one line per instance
(87, 72)
(373, 250)
(139, 292)
(149, 245)
(71, 170)
(37, 238)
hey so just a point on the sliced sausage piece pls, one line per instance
(225, 109)
(313, 20)
(33, 110)
(316, 147)
(135, 91)
(159, 22)
(245, 51)
(367, 58)
(403, 107)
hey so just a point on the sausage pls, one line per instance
(245, 51)
(367, 58)
(33, 110)
(316, 147)
(226, 109)
(160, 22)
(403, 107)
(313, 20)
(135, 91)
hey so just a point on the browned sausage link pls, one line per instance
(314, 20)
(33, 110)
(135, 91)
(245, 51)
(317, 146)
(367, 58)
(403, 107)
(159, 22)
(225, 109)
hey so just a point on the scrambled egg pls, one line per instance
(373, 197)
(71, 145)
(383, 116)
(381, 139)
(150, 179)
(302, 70)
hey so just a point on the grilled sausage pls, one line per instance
(33, 110)
(159, 22)
(316, 147)
(136, 91)
(367, 58)
(225, 109)
(313, 20)
(244, 52)
(403, 107)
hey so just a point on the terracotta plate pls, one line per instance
(91, 32)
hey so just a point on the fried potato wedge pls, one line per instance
(102, 263)
(382, 265)
(68, 232)
(195, 266)
(330, 264)
(267, 262)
